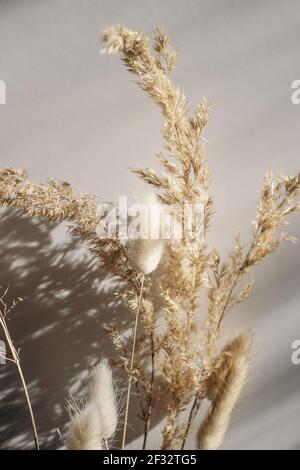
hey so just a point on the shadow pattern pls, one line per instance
(58, 328)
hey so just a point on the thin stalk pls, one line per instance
(131, 364)
(16, 360)
(194, 410)
(150, 402)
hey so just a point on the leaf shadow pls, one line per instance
(59, 327)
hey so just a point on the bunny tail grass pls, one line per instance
(102, 395)
(85, 431)
(224, 390)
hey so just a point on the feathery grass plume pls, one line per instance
(186, 178)
(145, 250)
(96, 422)
(102, 394)
(278, 200)
(57, 202)
(223, 388)
(276, 203)
(85, 429)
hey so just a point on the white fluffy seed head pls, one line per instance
(145, 252)
(145, 255)
(102, 395)
(85, 429)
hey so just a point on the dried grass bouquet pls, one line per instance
(173, 359)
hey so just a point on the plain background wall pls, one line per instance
(75, 115)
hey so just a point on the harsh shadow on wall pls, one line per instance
(59, 327)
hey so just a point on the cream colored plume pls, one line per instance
(85, 431)
(101, 393)
(145, 252)
(96, 422)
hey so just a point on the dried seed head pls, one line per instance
(145, 255)
(145, 252)
(102, 394)
(85, 429)
(118, 38)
